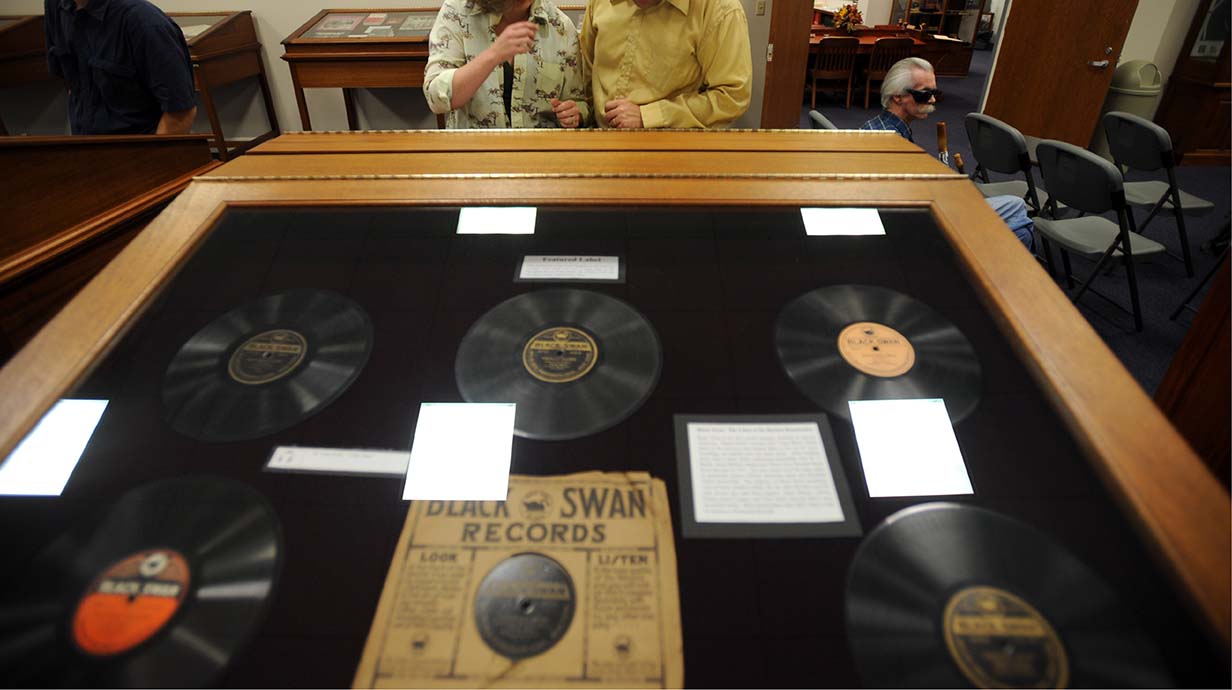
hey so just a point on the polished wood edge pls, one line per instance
(83, 233)
(100, 140)
(589, 176)
(246, 48)
(1182, 513)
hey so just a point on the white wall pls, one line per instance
(1157, 33)
(242, 111)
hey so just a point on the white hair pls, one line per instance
(900, 77)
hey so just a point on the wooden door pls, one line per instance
(1047, 80)
(790, 24)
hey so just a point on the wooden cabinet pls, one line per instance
(224, 49)
(1197, 103)
(23, 54)
(957, 18)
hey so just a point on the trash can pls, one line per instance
(1135, 88)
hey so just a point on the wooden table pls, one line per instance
(746, 187)
(23, 53)
(224, 49)
(948, 58)
(358, 49)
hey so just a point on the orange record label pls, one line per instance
(130, 601)
(876, 349)
(560, 354)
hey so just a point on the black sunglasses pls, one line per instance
(923, 95)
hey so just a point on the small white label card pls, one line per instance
(821, 222)
(364, 463)
(571, 268)
(762, 476)
(45, 459)
(497, 220)
(461, 452)
(908, 448)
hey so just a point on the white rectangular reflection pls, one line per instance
(46, 458)
(461, 452)
(497, 220)
(820, 222)
(908, 448)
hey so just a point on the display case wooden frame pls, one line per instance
(23, 53)
(1166, 492)
(227, 52)
(354, 63)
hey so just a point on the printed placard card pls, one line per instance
(497, 220)
(823, 222)
(908, 448)
(574, 269)
(461, 452)
(45, 459)
(344, 461)
(761, 476)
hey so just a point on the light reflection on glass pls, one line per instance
(46, 458)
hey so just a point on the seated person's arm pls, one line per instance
(164, 69)
(179, 122)
(727, 70)
(449, 81)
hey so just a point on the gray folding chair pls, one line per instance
(1084, 181)
(1140, 144)
(820, 121)
(1001, 148)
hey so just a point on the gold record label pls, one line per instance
(876, 349)
(267, 357)
(560, 354)
(1000, 641)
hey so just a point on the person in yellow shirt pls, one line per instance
(667, 63)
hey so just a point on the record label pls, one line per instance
(560, 354)
(876, 349)
(999, 640)
(267, 357)
(130, 602)
(524, 605)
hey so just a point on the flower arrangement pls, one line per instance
(848, 17)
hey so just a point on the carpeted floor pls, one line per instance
(1162, 282)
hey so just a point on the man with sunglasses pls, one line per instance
(909, 93)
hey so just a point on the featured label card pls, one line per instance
(607, 269)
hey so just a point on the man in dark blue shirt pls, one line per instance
(126, 64)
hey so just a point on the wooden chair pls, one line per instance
(886, 52)
(835, 60)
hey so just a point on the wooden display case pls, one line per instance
(709, 224)
(358, 49)
(23, 53)
(224, 49)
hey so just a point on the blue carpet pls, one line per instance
(1162, 283)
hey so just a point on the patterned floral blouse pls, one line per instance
(551, 70)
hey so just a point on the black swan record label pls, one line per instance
(575, 362)
(861, 342)
(266, 366)
(524, 605)
(162, 589)
(949, 595)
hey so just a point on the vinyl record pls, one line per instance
(160, 590)
(859, 342)
(524, 605)
(266, 366)
(949, 595)
(576, 362)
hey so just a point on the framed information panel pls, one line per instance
(373, 293)
(358, 49)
